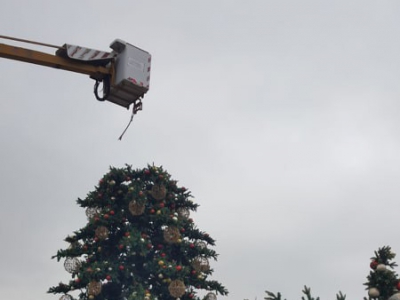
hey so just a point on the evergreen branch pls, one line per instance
(340, 296)
(307, 292)
(272, 296)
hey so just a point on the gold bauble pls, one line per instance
(172, 234)
(94, 288)
(176, 288)
(102, 232)
(136, 208)
(201, 264)
(158, 191)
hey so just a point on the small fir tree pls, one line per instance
(306, 292)
(139, 242)
(383, 282)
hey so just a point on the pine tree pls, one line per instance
(139, 242)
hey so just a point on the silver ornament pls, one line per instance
(211, 296)
(373, 292)
(72, 265)
(92, 212)
(395, 297)
(381, 267)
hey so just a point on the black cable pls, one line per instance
(106, 88)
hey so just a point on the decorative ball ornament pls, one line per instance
(381, 267)
(373, 293)
(201, 264)
(201, 245)
(66, 297)
(183, 213)
(136, 208)
(158, 191)
(91, 212)
(211, 296)
(176, 288)
(373, 264)
(72, 265)
(94, 288)
(172, 234)
(102, 232)
(395, 297)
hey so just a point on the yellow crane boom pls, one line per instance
(124, 72)
(54, 61)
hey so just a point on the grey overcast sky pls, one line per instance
(281, 117)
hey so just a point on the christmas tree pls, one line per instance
(383, 283)
(139, 242)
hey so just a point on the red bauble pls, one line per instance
(162, 204)
(106, 216)
(160, 246)
(77, 280)
(112, 212)
(121, 247)
(127, 234)
(121, 267)
(147, 172)
(178, 268)
(163, 254)
(149, 246)
(191, 245)
(108, 277)
(140, 194)
(152, 211)
(373, 264)
(398, 285)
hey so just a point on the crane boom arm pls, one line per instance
(53, 61)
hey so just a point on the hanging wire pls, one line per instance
(137, 105)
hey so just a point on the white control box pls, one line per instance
(132, 73)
